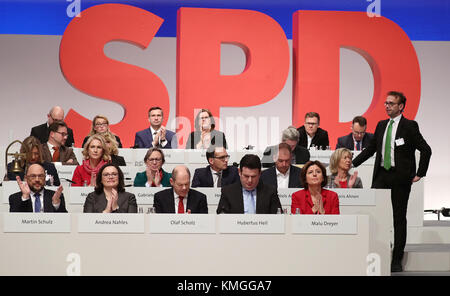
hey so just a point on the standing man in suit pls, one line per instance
(395, 141)
(358, 139)
(156, 135)
(41, 132)
(290, 136)
(54, 149)
(33, 197)
(283, 174)
(249, 196)
(180, 198)
(218, 173)
(311, 135)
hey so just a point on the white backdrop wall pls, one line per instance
(31, 83)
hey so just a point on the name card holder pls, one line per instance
(78, 194)
(196, 156)
(285, 195)
(182, 223)
(110, 223)
(324, 224)
(145, 195)
(212, 194)
(247, 223)
(37, 222)
(356, 197)
(65, 171)
(176, 156)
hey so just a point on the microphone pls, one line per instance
(68, 180)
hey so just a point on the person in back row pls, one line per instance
(358, 139)
(311, 135)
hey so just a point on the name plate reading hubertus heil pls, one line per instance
(241, 223)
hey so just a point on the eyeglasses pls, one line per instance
(311, 123)
(390, 104)
(109, 175)
(63, 134)
(224, 157)
(35, 176)
(101, 124)
(154, 159)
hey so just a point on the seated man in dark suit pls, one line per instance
(218, 173)
(156, 135)
(358, 139)
(290, 136)
(41, 132)
(311, 135)
(180, 198)
(54, 150)
(33, 197)
(249, 196)
(283, 174)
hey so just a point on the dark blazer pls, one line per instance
(232, 199)
(41, 132)
(17, 205)
(203, 177)
(269, 177)
(49, 168)
(217, 138)
(119, 144)
(96, 203)
(320, 139)
(164, 202)
(65, 153)
(118, 160)
(144, 139)
(404, 155)
(347, 141)
(301, 155)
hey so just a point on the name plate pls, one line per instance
(111, 223)
(129, 173)
(65, 171)
(174, 156)
(285, 195)
(196, 156)
(212, 194)
(145, 195)
(324, 224)
(78, 194)
(182, 223)
(241, 223)
(356, 197)
(36, 222)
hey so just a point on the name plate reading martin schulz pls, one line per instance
(324, 224)
(247, 223)
(36, 222)
(78, 194)
(182, 223)
(356, 197)
(111, 223)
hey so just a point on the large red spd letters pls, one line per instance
(317, 39)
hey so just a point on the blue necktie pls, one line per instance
(358, 145)
(252, 208)
(37, 203)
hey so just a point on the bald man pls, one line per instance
(42, 131)
(180, 198)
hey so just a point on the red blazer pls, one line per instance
(302, 200)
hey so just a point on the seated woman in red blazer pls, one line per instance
(314, 199)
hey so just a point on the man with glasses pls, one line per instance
(33, 197)
(54, 149)
(311, 135)
(218, 173)
(41, 132)
(358, 139)
(283, 174)
(395, 141)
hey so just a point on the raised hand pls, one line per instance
(114, 199)
(352, 179)
(56, 199)
(24, 187)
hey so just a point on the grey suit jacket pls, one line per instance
(65, 153)
(331, 184)
(96, 203)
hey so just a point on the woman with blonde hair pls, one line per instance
(100, 125)
(340, 165)
(112, 145)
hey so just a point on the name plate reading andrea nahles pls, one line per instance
(145, 195)
(182, 223)
(242, 223)
(324, 224)
(36, 222)
(356, 197)
(285, 195)
(111, 223)
(78, 194)
(212, 194)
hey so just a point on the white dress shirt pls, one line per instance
(283, 179)
(163, 143)
(177, 200)
(214, 176)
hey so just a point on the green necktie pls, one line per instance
(387, 147)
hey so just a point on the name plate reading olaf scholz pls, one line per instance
(251, 223)
(36, 222)
(356, 197)
(111, 223)
(78, 194)
(324, 224)
(182, 223)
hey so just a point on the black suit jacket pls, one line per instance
(320, 139)
(96, 203)
(164, 202)
(301, 155)
(203, 177)
(347, 141)
(41, 132)
(17, 205)
(404, 155)
(269, 177)
(217, 138)
(232, 199)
